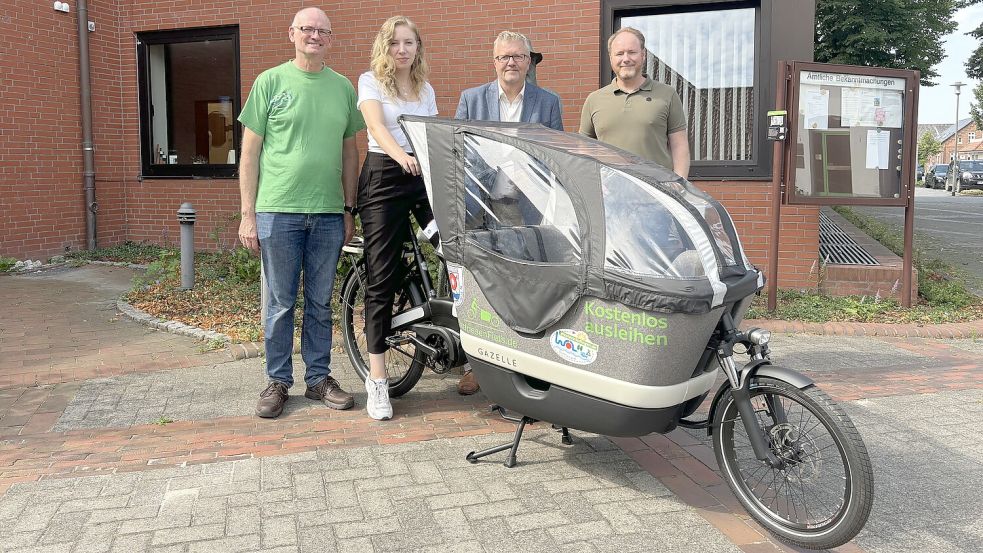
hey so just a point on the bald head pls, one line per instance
(311, 34)
(307, 15)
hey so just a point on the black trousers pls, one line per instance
(386, 197)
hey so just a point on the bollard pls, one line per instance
(186, 216)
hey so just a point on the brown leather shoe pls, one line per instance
(272, 400)
(330, 392)
(468, 384)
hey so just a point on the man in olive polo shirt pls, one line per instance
(297, 189)
(636, 113)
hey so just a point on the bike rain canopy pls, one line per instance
(542, 218)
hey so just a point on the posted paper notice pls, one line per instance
(878, 149)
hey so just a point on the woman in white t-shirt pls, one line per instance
(390, 185)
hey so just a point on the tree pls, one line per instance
(976, 106)
(974, 65)
(901, 34)
(928, 146)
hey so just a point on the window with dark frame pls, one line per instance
(709, 52)
(189, 102)
(708, 58)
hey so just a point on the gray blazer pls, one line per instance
(538, 105)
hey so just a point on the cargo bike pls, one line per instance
(592, 290)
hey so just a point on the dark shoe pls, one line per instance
(272, 400)
(468, 384)
(330, 392)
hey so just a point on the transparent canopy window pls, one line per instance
(515, 206)
(714, 216)
(644, 234)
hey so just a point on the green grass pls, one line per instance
(140, 253)
(942, 293)
(939, 283)
(794, 305)
(7, 263)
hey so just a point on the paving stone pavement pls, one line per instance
(92, 462)
(410, 497)
(201, 393)
(928, 462)
(928, 470)
(61, 325)
(230, 389)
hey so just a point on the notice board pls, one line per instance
(851, 135)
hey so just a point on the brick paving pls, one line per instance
(168, 457)
(406, 497)
(61, 325)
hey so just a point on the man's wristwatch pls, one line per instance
(351, 209)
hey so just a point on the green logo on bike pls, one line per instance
(483, 316)
(485, 324)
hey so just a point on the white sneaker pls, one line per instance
(377, 404)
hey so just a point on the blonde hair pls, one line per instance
(630, 30)
(384, 66)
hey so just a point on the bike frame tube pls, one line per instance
(421, 265)
(427, 303)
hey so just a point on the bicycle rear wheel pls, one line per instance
(822, 494)
(405, 369)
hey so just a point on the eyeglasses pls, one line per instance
(311, 31)
(518, 58)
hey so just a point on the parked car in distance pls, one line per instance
(969, 173)
(919, 173)
(936, 179)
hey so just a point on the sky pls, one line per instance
(937, 104)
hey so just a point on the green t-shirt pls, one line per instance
(303, 119)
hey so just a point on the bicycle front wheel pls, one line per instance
(404, 368)
(821, 495)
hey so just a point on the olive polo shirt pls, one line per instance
(639, 122)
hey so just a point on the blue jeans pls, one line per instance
(289, 242)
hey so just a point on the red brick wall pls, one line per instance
(41, 201)
(40, 161)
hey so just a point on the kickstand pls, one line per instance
(565, 438)
(520, 423)
(512, 447)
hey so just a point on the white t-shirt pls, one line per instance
(370, 89)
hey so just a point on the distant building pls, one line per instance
(969, 139)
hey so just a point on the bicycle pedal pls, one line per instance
(395, 341)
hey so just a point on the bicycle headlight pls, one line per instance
(759, 336)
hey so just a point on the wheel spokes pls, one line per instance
(809, 490)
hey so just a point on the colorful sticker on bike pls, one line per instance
(574, 346)
(455, 277)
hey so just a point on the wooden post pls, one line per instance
(777, 168)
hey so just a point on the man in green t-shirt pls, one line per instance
(297, 187)
(636, 113)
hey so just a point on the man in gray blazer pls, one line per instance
(511, 97)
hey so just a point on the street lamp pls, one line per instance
(955, 142)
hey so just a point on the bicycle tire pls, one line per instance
(404, 372)
(804, 457)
